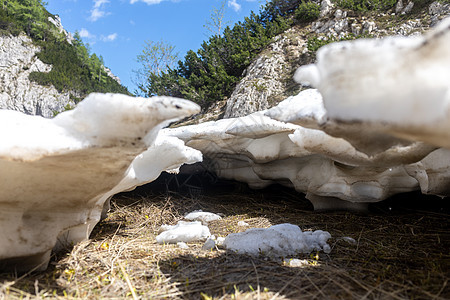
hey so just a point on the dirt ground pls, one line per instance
(401, 250)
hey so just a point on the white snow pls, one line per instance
(243, 224)
(57, 174)
(277, 241)
(182, 245)
(203, 216)
(183, 232)
(399, 84)
(295, 262)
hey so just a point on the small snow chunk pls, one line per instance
(210, 243)
(199, 215)
(277, 241)
(182, 245)
(243, 223)
(296, 262)
(220, 240)
(183, 232)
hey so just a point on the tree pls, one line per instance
(155, 59)
(216, 23)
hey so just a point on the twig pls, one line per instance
(127, 279)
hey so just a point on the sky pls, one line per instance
(117, 29)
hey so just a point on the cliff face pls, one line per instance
(17, 60)
(269, 79)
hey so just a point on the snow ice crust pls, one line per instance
(358, 138)
(57, 174)
(202, 216)
(400, 84)
(277, 241)
(183, 232)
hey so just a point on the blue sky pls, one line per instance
(117, 29)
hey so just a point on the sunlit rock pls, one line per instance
(56, 174)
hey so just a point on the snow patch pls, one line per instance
(183, 232)
(277, 241)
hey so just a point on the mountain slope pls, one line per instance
(43, 68)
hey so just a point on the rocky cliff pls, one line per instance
(17, 60)
(269, 79)
(17, 92)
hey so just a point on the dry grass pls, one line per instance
(399, 254)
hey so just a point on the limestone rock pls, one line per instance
(56, 174)
(264, 83)
(325, 7)
(17, 60)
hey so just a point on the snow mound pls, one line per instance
(56, 175)
(183, 232)
(398, 85)
(277, 241)
(202, 216)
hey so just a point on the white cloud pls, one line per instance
(149, 2)
(109, 38)
(98, 3)
(234, 5)
(98, 10)
(84, 33)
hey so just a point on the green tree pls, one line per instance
(216, 23)
(156, 58)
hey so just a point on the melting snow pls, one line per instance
(183, 232)
(278, 240)
(203, 216)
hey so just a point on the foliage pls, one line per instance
(313, 44)
(73, 67)
(155, 59)
(307, 12)
(216, 23)
(211, 73)
(366, 5)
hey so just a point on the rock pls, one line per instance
(437, 9)
(368, 27)
(267, 80)
(56, 174)
(399, 6)
(326, 7)
(408, 8)
(17, 60)
(57, 22)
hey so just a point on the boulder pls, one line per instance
(56, 174)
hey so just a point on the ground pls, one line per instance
(401, 251)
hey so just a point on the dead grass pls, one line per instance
(399, 254)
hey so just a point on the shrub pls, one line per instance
(366, 5)
(307, 12)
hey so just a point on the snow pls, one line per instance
(277, 241)
(243, 223)
(398, 85)
(57, 174)
(295, 262)
(203, 216)
(182, 245)
(183, 232)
